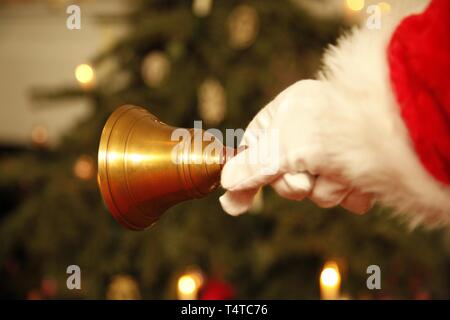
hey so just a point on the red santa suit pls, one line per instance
(419, 66)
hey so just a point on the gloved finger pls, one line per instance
(236, 203)
(294, 186)
(259, 123)
(358, 202)
(328, 192)
(251, 168)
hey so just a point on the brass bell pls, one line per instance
(143, 171)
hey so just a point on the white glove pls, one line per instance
(343, 138)
(285, 149)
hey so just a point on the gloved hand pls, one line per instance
(285, 148)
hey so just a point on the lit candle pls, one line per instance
(330, 281)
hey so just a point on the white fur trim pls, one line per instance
(374, 149)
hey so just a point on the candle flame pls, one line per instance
(330, 276)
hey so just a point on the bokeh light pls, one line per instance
(84, 74)
(384, 7)
(39, 135)
(84, 168)
(330, 276)
(355, 5)
(189, 284)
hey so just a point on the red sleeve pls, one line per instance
(419, 62)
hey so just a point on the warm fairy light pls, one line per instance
(189, 285)
(39, 135)
(330, 281)
(355, 5)
(243, 26)
(84, 74)
(201, 8)
(123, 287)
(212, 102)
(155, 68)
(84, 168)
(384, 7)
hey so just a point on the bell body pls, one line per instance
(143, 170)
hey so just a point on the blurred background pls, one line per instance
(214, 60)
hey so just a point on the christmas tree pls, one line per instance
(219, 62)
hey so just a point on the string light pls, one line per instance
(39, 135)
(155, 68)
(243, 26)
(84, 74)
(84, 168)
(201, 8)
(211, 101)
(189, 284)
(384, 7)
(355, 5)
(123, 287)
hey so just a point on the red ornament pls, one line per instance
(217, 290)
(49, 287)
(34, 294)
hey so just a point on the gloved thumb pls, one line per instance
(236, 203)
(251, 169)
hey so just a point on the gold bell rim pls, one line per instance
(103, 181)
